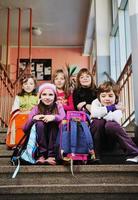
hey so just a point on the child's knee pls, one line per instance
(39, 124)
(112, 126)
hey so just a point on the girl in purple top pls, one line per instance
(46, 116)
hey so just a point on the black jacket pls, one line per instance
(83, 94)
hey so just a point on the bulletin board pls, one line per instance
(40, 68)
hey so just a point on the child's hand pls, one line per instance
(119, 106)
(80, 105)
(48, 118)
(62, 101)
(38, 117)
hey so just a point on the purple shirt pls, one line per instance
(111, 108)
(58, 117)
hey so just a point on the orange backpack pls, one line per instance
(15, 132)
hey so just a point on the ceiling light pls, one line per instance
(36, 31)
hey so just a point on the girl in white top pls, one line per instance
(106, 113)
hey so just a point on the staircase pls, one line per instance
(98, 182)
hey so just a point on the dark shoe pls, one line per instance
(94, 161)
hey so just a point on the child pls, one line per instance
(107, 113)
(63, 95)
(46, 116)
(85, 91)
(22, 105)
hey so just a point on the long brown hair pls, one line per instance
(23, 80)
(66, 85)
(86, 71)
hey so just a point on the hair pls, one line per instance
(24, 80)
(85, 70)
(51, 109)
(66, 86)
(108, 86)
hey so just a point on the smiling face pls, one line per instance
(29, 85)
(107, 98)
(59, 81)
(47, 96)
(85, 80)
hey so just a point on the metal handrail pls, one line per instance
(125, 83)
(21, 75)
(7, 93)
(109, 77)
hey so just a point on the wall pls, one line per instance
(60, 57)
(102, 32)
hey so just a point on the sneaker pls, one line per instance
(134, 159)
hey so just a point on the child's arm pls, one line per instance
(76, 99)
(119, 106)
(70, 105)
(114, 116)
(57, 117)
(16, 104)
(61, 113)
(97, 110)
(31, 119)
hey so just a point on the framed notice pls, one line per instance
(40, 68)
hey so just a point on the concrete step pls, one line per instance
(5, 161)
(112, 157)
(4, 152)
(2, 138)
(96, 182)
(3, 130)
(70, 189)
(74, 196)
(83, 174)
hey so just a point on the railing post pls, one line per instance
(30, 43)
(8, 37)
(19, 40)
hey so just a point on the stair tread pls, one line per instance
(2, 138)
(3, 130)
(77, 168)
(70, 188)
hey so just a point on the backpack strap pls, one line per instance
(17, 169)
(73, 132)
(19, 148)
(88, 135)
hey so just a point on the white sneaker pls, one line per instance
(134, 159)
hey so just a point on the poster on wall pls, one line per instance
(40, 68)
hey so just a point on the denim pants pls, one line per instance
(46, 138)
(110, 130)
